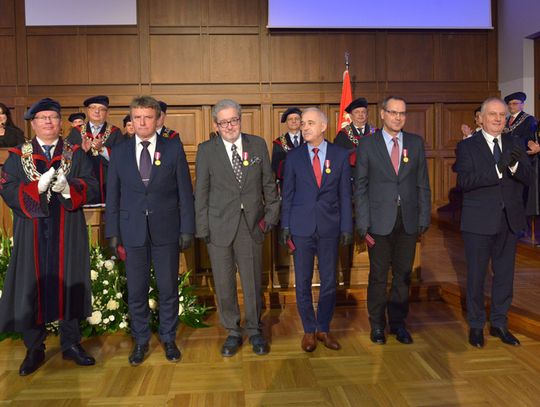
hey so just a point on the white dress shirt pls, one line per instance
(237, 143)
(489, 139)
(139, 148)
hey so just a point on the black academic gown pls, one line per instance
(48, 277)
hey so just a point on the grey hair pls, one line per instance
(322, 115)
(490, 100)
(389, 98)
(225, 104)
(145, 102)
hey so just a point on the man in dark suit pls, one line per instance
(286, 142)
(97, 138)
(316, 215)
(236, 203)
(150, 211)
(392, 203)
(492, 171)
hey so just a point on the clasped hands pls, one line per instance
(56, 180)
(515, 155)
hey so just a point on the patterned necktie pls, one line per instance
(317, 167)
(295, 141)
(236, 163)
(47, 151)
(395, 154)
(497, 153)
(145, 163)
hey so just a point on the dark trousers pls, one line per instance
(397, 250)
(245, 255)
(165, 261)
(326, 250)
(70, 335)
(501, 250)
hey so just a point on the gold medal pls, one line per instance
(245, 162)
(328, 170)
(405, 159)
(157, 162)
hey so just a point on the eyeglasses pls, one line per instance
(225, 123)
(97, 109)
(44, 119)
(393, 113)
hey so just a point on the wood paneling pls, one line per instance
(184, 50)
(454, 115)
(188, 123)
(235, 58)
(7, 14)
(235, 13)
(410, 57)
(8, 70)
(175, 13)
(420, 119)
(295, 58)
(113, 59)
(463, 57)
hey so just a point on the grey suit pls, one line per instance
(228, 214)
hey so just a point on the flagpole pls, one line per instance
(347, 55)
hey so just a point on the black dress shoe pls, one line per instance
(476, 337)
(377, 336)
(402, 335)
(259, 344)
(137, 354)
(77, 354)
(172, 353)
(504, 335)
(231, 345)
(32, 361)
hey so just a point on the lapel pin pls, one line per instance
(157, 156)
(405, 156)
(245, 158)
(327, 166)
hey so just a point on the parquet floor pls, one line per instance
(439, 369)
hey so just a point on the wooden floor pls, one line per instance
(439, 369)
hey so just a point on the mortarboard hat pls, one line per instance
(74, 116)
(126, 119)
(163, 106)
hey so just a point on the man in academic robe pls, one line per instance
(96, 138)
(236, 203)
(45, 182)
(349, 136)
(129, 130)
(317, 216)
(77, 119)
(286, 142)
(150, 213)
(162, 130)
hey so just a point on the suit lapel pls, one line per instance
(404, 167)
(131, 161)
(246, 146)
(330, 158)
(483, 147)
(222, 157)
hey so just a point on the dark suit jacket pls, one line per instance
(377, 187)
(306, 208)
(219, 196)
(484, 194)
(168, 198)
(279, 154)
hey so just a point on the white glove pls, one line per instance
(45, 180)
(61, 185)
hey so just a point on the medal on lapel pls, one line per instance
(327, 166)
(405, 156)
(157, 156)
(245, 157)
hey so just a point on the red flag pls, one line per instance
(346, 98)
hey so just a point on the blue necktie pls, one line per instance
(496, 150)
(295, 141)
(47, 151)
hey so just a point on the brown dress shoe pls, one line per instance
(308, 342)
(329, 341)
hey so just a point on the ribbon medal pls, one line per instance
(245, 161)
(405, 156)
(157, 156)
(327, 166)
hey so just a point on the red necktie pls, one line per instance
(317, 167)
(395, 154)
(511, 121)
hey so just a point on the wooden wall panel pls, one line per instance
(188, 123)
(251, 121)
(184, 50)
(454, 115)
(58, 60)
(113, 59)
(234, 13)
(432, 173)
(175, 13)
(7, 14)
(420, 120)
(410, 57)
(448, 178)
(235, 58)
(295, 58)
(8, 69)
(463, 57)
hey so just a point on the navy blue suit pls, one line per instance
(492, 217)
(316, 217)
(149, 220)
